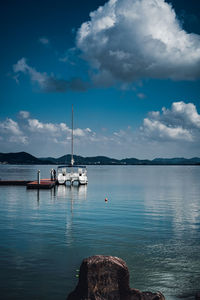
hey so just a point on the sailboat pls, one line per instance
(68, 174)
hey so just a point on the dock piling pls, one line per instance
(38, 176)
(51, 173)
(37, 184)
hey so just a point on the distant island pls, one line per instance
(26, 158)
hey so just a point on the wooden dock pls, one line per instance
(14, 182)
(44, 184)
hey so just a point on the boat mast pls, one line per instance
(72, 145)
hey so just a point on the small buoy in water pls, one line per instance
(106, 199)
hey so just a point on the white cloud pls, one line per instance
(181, 122)
(172, 132)
(131, 39)
(64, 127)
(33, 135)
(183, 113)
(22, 66)
(46, 82)
(43, 40)
(24, 114)
(10, 126)
(11, 132)
(18, 139)
(157, 130)
(141, 95)
(37, 126)
(70, 56)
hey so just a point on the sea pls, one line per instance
(151, 220)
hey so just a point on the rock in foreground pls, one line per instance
(107, 278)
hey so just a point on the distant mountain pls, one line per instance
(79, 160)
(101, 160)
(50, 159)
(135, 161)
(26, 158)
(20, 158)
(176, 161)
(65, 159)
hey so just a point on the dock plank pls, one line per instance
(14, 182)
(44, 184)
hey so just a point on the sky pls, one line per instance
(131, 69)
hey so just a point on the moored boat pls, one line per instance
(68, 174)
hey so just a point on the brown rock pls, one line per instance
(197, 296)
(107, 278)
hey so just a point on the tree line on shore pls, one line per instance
(26, 158)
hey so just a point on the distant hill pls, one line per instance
(26, 158)
(97, 160)
(176, 161)
(135, 161)
(20, 158)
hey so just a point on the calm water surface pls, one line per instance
(152, 221)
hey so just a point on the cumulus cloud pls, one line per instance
(157, 130)
(11, 132)
(60, 129)
(130, 39)
(181, 122)
(36, 77)
(171, 132)
(46, 82)
(10, 126)
(183, 114)
(36, 126)
(30, 134)
(24, 114)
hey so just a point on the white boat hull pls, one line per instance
(66, 177)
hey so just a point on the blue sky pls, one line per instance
(131, 68)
